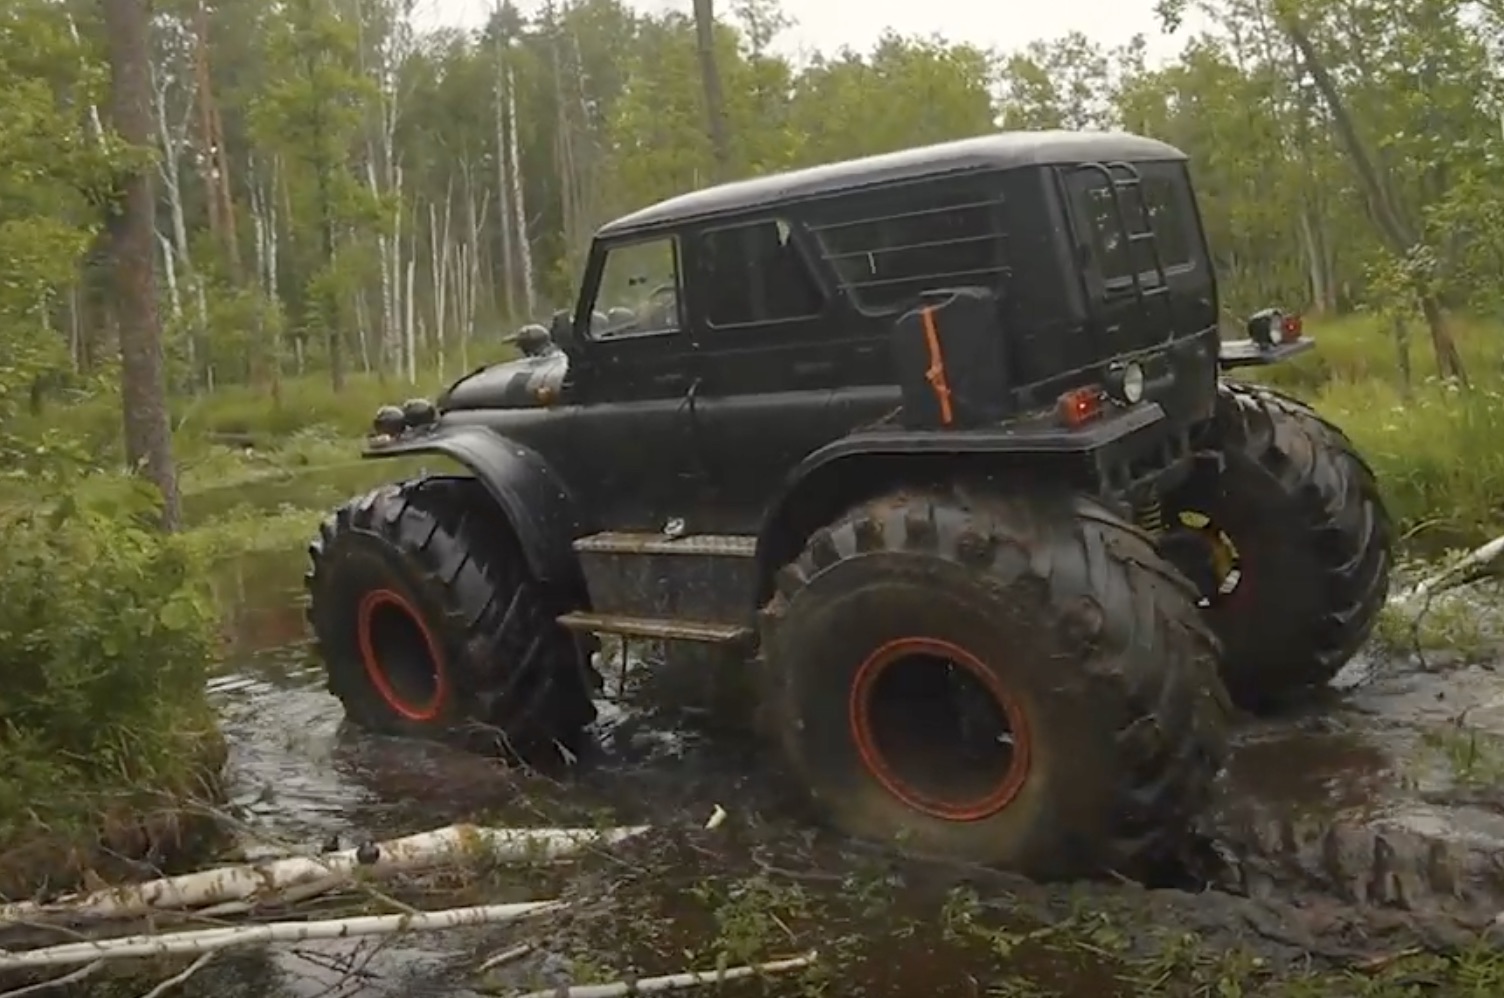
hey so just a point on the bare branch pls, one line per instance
(180, 977)
(212, 940)
(56, 982)
(675, 982)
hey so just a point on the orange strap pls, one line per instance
(936, 373)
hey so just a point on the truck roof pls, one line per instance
(995, 151)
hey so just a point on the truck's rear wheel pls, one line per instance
(1001, 680)
(1289, 542)
(429, 624)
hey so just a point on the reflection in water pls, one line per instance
(1334, 773)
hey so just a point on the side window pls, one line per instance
(891, 245)
(1164, 196)
(754, 274)
(639, 291)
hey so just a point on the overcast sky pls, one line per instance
(826, 25)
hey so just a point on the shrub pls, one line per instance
(106, 637)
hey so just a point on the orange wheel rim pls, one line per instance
(977, 807)
(372, 605)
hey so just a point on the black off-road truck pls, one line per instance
(935, 444)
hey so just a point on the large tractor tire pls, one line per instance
(430, 625)
(1016, 682)
(1289, 543)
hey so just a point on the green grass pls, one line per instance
(1438, 453)
(236, 416)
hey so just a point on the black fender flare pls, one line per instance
(818, 477)
(535, 500)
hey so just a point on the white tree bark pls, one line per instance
(244, 881)
(519, 208)
(96, 126)
(412, 323)
(177, 262)
(439, 265)
(505, 218)
(211, 940)
(675, 982)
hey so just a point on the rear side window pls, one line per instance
(1166, 197)
(755, 274)
(891, 245)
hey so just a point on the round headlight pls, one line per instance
(1133, 383)
(418, 412)
(389, 421)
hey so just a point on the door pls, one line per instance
(768, 363)
(637, 455)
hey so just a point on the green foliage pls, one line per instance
(1434, 447)
(106, 633)
(106, 636)
(372, 189)
(51, 180)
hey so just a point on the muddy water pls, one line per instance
(1357, 825)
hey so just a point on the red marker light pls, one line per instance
(1290, 329)
(1079, 405)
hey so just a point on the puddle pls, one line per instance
(309, 488)
(1375, 810)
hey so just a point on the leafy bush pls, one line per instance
(106, 636)
(1435, 450)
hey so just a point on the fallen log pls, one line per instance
(675, 982)
(232, 886)
(212, 940)
(1483, 562)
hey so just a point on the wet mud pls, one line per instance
(1364, 827)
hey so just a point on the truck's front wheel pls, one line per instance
(429, 624)
(1289, 542)
(1002, 680)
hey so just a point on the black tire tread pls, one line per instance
(1341, 510)
(494, 612)
(1173, 736)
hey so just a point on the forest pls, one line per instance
(339, 196)
(230, 228)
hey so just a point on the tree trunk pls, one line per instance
(710, 80)
(503, 183)
(519, 204)
(216, 161)
(1401, 331)
(1392, 224)
(132, 232)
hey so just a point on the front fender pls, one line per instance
(535, 501)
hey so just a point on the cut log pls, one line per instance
(268, 879)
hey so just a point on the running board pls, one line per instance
(704, 545)
(656, 628)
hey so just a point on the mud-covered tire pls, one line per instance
(1314, 544)
(421, 584)
(1067, 614)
